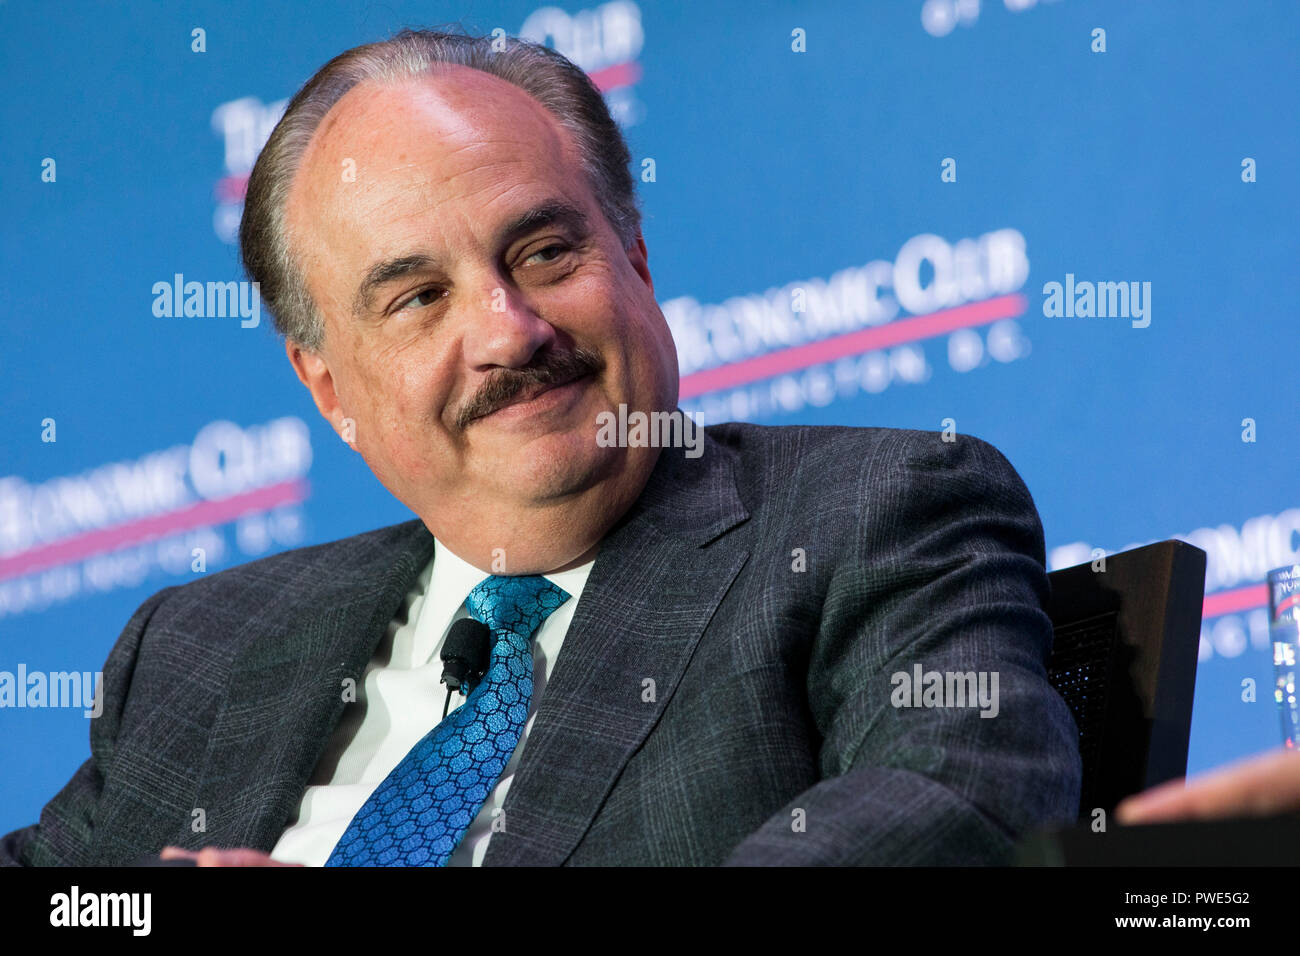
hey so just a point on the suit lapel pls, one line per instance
(286, 691)
(647, 601)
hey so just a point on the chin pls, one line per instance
(559, 465)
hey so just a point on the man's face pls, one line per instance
(464, 271)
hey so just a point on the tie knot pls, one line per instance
(514, 605)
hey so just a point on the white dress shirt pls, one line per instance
(400, 700)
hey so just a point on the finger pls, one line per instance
(241, 856)
(246, 857)
(1150, 806)
(176, 853)
(1264, 784)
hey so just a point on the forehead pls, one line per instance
(390, 153)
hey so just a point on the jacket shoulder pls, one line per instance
(835, 478)
(825, 451)
(286, 583)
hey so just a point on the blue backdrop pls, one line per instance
(854, 211)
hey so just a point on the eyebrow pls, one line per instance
(555, 212)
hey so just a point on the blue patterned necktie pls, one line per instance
(420, 813)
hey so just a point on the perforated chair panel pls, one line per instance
(1079, 671)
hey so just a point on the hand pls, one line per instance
(212, 856)
(1268, 783)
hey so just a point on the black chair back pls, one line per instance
(1124, 659)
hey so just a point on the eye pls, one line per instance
(557, 248)
(422, 298)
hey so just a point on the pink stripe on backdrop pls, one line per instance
(232, 188)
(852, 343)
(1242, 599)
(613, 77)
(196, 515)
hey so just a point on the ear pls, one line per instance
(640, 259)
(313, 371)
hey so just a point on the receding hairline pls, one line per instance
(435, 74)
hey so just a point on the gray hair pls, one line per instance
(551, 79)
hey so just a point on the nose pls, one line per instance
(505, 330)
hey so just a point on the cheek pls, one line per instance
(619, 315)
(396, 401)
(602, 307)
(651, 349)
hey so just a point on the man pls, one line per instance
(723, 639)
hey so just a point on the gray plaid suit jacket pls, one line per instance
(768, 735)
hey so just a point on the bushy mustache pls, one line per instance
(555, 368)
